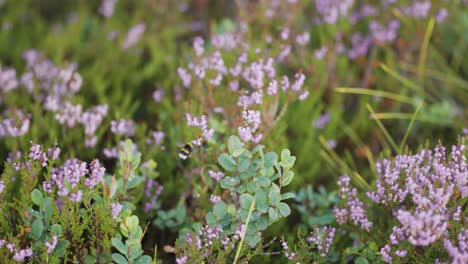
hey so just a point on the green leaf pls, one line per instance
(57, 229)
(134, 182)
(135, 251)
(60, 249)
(246, 200)
(119, 245)
(243, 165)
(229, 182)
(288, 176)
(273, 214)
(234, 144)
(274, 196)
(284, 209)
(285, 154)
(262, 181)
(361, 260)
(270, 159)
(227, 162)
(143, 260)
(36, 229)
(263, 222)
(220, 210)
(119, 259)
(261, 201)
(287, 195)
(36, 197)
(211, 219)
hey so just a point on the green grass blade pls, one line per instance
(384, 94)
(403, 142)
(239, 247)
(424, 49)
(384, 131)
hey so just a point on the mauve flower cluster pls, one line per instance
(153, 190)
(107, 8)
(113, 152)
(55, 88)
(353, 207)
(424, 192)
(202, 123)
(14, 124)
(208, 237)
(19, 255)
(122, 127)
(322, 238)
(67, 180)
(134, 35)
(251, 80)
(330, 11)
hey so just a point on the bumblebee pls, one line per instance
(185, 151)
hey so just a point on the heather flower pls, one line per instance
(2, 186)
(116, 209)
(36, 153)
(418, 9)
(122, 127)
(331, 10)
(321, 121)
(320, 53)
(22, 254)
(53, 153)
(216, 175)
(16, 124)
(107, 8)
(8, 79)
(354, 208)
(134, 35)
(97, 174)
(51, 245)
(215, 199)
(182, 260)
(202, 123)
(441, 15)
(459, 253)
(385, 252)
(69, 114)
(322, 238)
(198, 43)
(303, 39)
(158, 95)
(382, 34)
(184, 76)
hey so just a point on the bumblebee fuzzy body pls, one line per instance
(185, 151)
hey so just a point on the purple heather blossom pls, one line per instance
(401, 253)
(360, 45)
(157, 137)
(331, 10)
(322, 238)
(134, 34)
(385, 252)
(213, 199)
(153, 190)
(459, 253)
(303, 39)
(182, 260)
(198, 43)
(202, 123)
(158, 95)
(2, 186)
(321, 121)
(69, 114)
(423, 228)
(22, 254)
(107, 8)
(382, 34)
(15, 124)
(53, 153)
(216, 175)
(96, 174)
(51, 245)
(320, 53)
(8, 80)
(36, 153)
(122, 127)
(185, 76)
(116, 209)
(354, 208)
(441, 15)
(418, 9)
